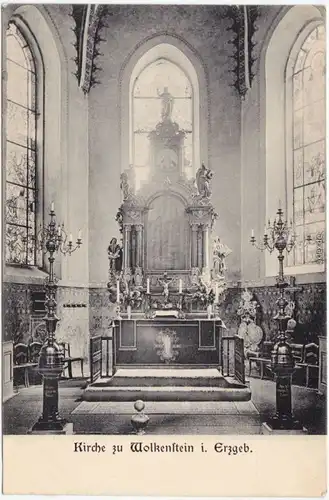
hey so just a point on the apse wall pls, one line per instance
(206, 35)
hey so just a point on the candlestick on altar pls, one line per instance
(180, 286)
(216, 294)
(148, 285)
(118, 291)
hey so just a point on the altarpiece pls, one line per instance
(169, 265)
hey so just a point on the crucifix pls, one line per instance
(165, 282)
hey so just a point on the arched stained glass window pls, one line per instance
(308, 106)
(158, 78)
(20, 150)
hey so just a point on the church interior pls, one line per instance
(164, 219)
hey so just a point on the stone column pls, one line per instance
(139, 245)
(126, 246)
(194, 245)
(205, 231)
(133, 247)
(199, 247)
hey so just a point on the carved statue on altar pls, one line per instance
(114, 252)
(220, 252)
(203, 178)
(165, 282)
(167, 104)
(138, 277)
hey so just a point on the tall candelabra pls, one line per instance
(280, 236)
(52, 239)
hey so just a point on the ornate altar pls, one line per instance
(169, 273)
(166, 226)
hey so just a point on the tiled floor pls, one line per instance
(22, 411)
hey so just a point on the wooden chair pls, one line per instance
(22, 362)
(310, 361)
(68, 359)
(263, 359)
(21, 354)
(297, 352)
(34, 352)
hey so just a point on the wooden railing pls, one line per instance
(100, 355)
(232, 358)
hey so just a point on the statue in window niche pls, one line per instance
(167, 104)
(127, 184)
(220, 252)
(203, 178)
(114, 252)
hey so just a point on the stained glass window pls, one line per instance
(308, 98)
(158, 77)
(20, 150)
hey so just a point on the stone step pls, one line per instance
(159, 393)
(205, 384)
(211, 418)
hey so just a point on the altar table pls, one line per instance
(167, 342)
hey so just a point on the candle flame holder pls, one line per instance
(52, 239)
(281, 237)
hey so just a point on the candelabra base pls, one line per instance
(271, 427)
(65, 429)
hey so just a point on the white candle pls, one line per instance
(180, 285)
(217, 293)
(118, 291)
(52, 208)
(280, 206)
(252, 233)
(70, 238)
(59, 230)
(79, 234)
(148, 285)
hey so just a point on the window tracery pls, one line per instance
(21, 150)
(308, 133)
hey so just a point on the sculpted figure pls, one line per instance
(138, 277)
(127, 184)
(167, 104)
(124, 185)
(165, 283)
(203, 178)
(115, 255)
(220, 251)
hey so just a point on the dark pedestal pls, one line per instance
(67, 429)
(50, 420)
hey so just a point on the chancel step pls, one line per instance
(173, 417)
(167, 385)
